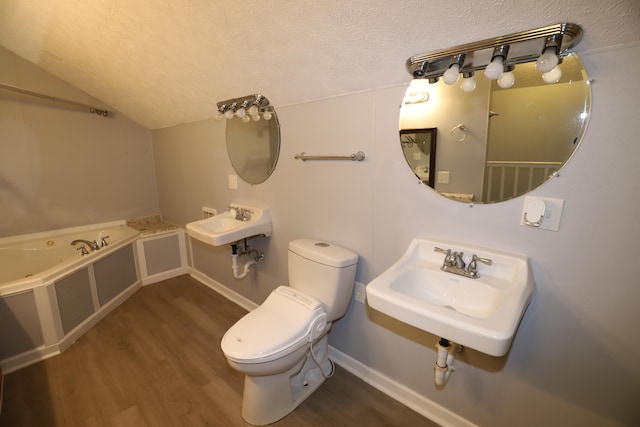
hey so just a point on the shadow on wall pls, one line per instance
(468, 356)
(558, 358)
(15, 204)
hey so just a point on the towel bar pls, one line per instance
(359, 156)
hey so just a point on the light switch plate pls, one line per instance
(552, 214)
(443, 177)
(233, 182)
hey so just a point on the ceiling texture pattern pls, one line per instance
(166, 62)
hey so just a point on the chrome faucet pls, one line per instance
(93, 245)
(242, 214)
(454, 263)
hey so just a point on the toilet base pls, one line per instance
(267, 399)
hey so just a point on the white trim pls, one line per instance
(425, 407)
(233, 296)
(164, 275)
(43, 352)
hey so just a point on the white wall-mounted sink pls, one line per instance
(225, 228)
(481, 313)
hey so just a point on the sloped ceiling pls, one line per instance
(166, 62)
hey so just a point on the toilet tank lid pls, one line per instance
(323, 252)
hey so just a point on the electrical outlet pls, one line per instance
(208, 212)
(361, 292)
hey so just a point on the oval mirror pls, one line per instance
(253, 147)
(494, 144)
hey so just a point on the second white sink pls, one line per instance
(225, 228)
(482, 313)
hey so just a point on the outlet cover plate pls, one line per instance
(361, 292)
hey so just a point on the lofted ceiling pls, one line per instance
(166, 62)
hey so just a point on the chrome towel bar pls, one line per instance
(359, 156)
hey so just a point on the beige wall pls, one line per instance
(575, 358)
(61, 166)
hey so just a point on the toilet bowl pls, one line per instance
(272, 346)
(282, 346)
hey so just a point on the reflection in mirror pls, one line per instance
(419, 148)
(253, 146)
(495, 144)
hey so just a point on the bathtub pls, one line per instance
(50, 294)
(34, 260)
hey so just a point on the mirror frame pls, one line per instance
(432, 132)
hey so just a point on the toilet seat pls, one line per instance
(286, 320)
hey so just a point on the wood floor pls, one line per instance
(156, 361)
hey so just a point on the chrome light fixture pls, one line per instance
(496, 67)
(247, 108)
(452, 75)
(498, 56)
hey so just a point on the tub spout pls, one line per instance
(93, 245)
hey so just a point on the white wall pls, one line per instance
(61, 166)
(575, 357)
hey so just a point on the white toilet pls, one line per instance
(282, 346)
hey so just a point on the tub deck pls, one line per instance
(50, 295)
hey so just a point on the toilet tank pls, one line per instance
(324, 271)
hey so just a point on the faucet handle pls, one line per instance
(83, 251)
(487, 261)
(103, 241)
(449, 258)
(457, 259)
(472, 268)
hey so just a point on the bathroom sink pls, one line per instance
(481, 313)
(225, 228)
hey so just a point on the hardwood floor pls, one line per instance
(156, 361)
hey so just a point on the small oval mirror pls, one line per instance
(495, 144)
(254, 147)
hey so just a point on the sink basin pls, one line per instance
(225, 228)
(481, 313)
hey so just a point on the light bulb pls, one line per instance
(266, 115)
(506, 80)
(552, 76)
(468, 84)
(241, 112)
(246, 119)
(495, 69)
(253, 110)
(547, 61)
(452, 74)
(218, 116)
(228, 114)
(256, 117)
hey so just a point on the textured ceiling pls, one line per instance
(165, 62)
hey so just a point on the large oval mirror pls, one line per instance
(495, 144)
(254, 146)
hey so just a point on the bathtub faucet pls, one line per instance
(93, 245)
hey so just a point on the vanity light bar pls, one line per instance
(257, 99)
(523, 47)
(245, 107)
